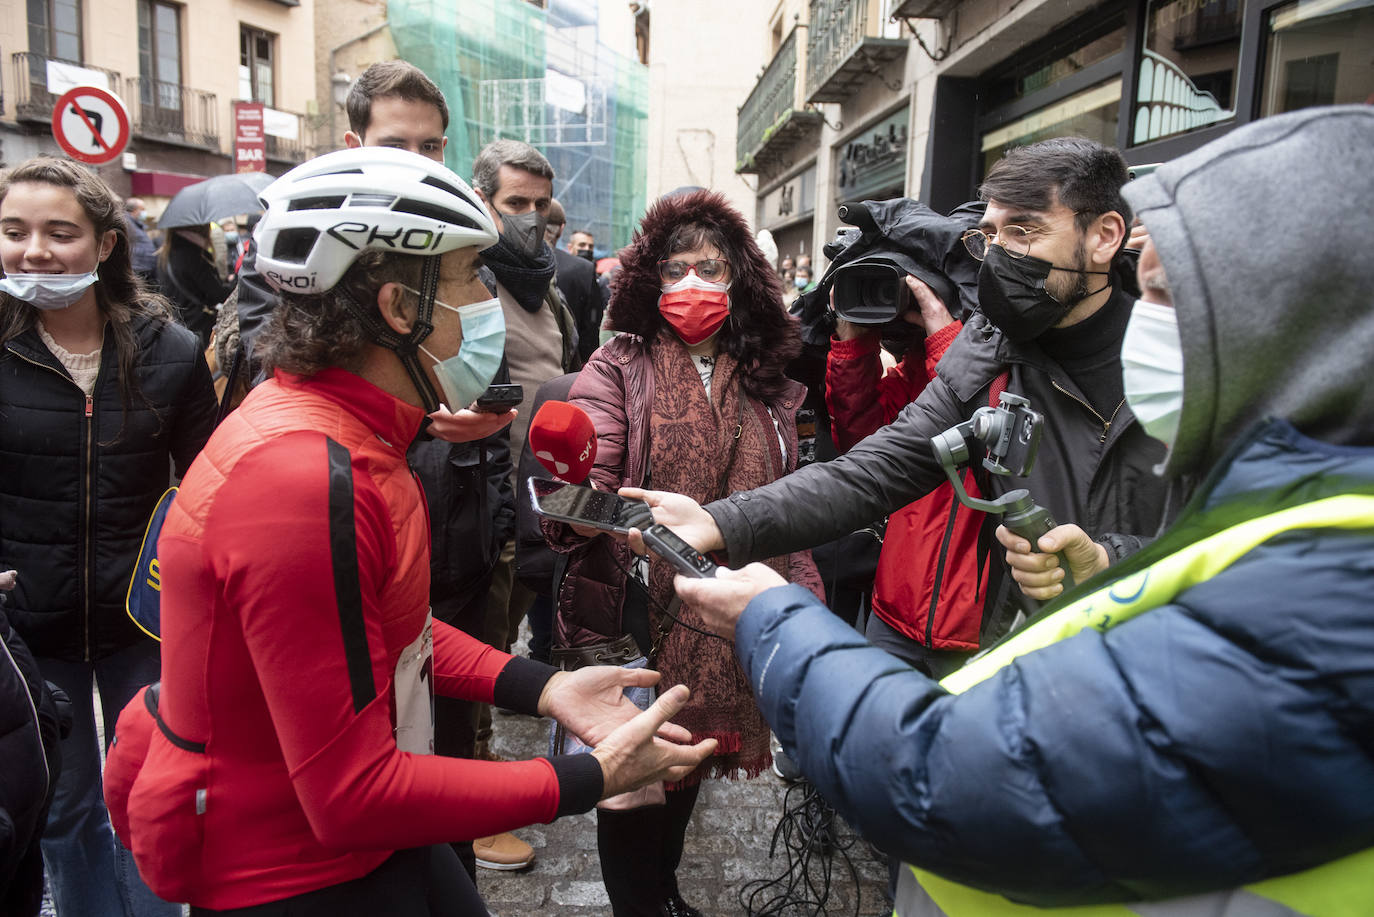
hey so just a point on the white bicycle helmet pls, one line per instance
(323, 213)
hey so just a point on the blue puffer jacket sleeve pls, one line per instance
(1205, 744)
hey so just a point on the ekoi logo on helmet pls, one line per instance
(298, 282)
(358, 236)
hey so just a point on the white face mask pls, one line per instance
(48, 291)
(1152, 369)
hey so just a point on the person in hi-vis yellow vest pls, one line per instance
(1191, 730)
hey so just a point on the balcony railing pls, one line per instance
(285, 149)
(166, 111)
(924, 9)
(773, 118)
(844, 49)
(34, 101)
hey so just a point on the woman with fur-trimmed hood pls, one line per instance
(690, 396)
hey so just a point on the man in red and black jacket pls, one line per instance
(927, 594)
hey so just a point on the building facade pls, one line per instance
(870, 99)
(534, 71)
(178, 67)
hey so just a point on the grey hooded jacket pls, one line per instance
(1294, 305)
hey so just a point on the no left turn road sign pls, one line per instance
(90, 124)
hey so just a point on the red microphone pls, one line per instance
(564, 441)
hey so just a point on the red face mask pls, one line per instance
(694, 307)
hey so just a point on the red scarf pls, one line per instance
(690, 439)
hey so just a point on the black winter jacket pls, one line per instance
(1092, 471)
(471, 515)
(79, 479)
(30, 747)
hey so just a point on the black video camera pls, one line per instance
(871, 258)
(871, 288)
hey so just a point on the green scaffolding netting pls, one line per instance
(485, 53)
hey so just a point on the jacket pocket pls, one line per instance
(166, 806)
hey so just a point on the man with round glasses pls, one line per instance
(1054, 303)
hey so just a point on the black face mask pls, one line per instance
(524, 232)
(1012, 294)
(586, 255)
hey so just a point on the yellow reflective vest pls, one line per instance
(1341, 888)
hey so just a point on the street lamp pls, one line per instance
(341, 82)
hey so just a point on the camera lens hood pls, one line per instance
(871, 289)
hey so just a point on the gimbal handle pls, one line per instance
(1020, 514)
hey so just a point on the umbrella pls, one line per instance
(215, 198)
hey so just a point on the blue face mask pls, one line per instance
(466, 374)
(48, 291)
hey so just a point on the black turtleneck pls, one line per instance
(1090, 352)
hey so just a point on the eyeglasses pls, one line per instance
(712, 270)
(1014, 239)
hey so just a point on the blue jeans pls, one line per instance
(89, 871)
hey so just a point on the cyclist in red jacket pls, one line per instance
(288, 752)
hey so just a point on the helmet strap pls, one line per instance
(406, 347)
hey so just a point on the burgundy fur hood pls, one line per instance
(760, 333)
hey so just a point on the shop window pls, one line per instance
(1188, 67)
(1318, 53)
(1092, 113)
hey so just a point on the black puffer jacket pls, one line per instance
(79, 479)
(30, 747)
(1097, 476)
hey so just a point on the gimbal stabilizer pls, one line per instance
(1011, 434)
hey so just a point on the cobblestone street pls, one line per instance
(727, 847)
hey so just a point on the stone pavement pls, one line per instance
(727, 847)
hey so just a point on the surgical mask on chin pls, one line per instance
(466, 374)
(524, 232)
(695, 308)
(48, 291)
(1152, 369)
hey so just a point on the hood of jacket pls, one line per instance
(635, 288)
(1258, 233)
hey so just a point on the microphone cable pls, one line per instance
(648, 594)
(812, 837)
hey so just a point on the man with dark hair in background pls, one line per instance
(583, 244)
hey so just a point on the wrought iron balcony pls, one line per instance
(774, 118)
(923, 9)
(844, 48)
(173, 113)
(33, 99)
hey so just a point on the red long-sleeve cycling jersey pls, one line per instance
(295, 567)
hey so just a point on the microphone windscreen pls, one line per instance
(564, 441)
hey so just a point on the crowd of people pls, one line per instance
(350, 551)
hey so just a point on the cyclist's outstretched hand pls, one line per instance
(591, 702)
(634, 755)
